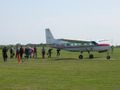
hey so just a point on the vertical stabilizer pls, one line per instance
(49, 37)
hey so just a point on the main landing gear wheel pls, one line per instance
(80, 56)
(108, 57)
(91, 56)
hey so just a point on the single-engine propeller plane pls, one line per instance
(77, 45)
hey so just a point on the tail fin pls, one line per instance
(49, 37)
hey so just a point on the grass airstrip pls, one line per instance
(66, 72)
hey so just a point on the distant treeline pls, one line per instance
(117, 46)
(31, 45)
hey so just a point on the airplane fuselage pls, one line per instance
(82, 48)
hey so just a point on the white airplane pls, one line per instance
(76, 45)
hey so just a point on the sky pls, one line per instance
(25, 21)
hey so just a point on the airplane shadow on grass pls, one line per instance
(66, 59)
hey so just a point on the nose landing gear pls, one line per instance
(108, 56)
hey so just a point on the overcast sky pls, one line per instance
(24, 21)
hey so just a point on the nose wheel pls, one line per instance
(108, 56)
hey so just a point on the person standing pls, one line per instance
(35, 52)
(21, 52)
(43, 52)
(4, 53)
(12, 52)
(58, 52)
(18, 55)
(27, 52)
(112, 49)
(49, 53)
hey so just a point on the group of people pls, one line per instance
(21, 52)
(26, 52)
(49, 52)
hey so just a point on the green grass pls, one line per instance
(63, 73)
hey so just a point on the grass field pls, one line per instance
(64, 73)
